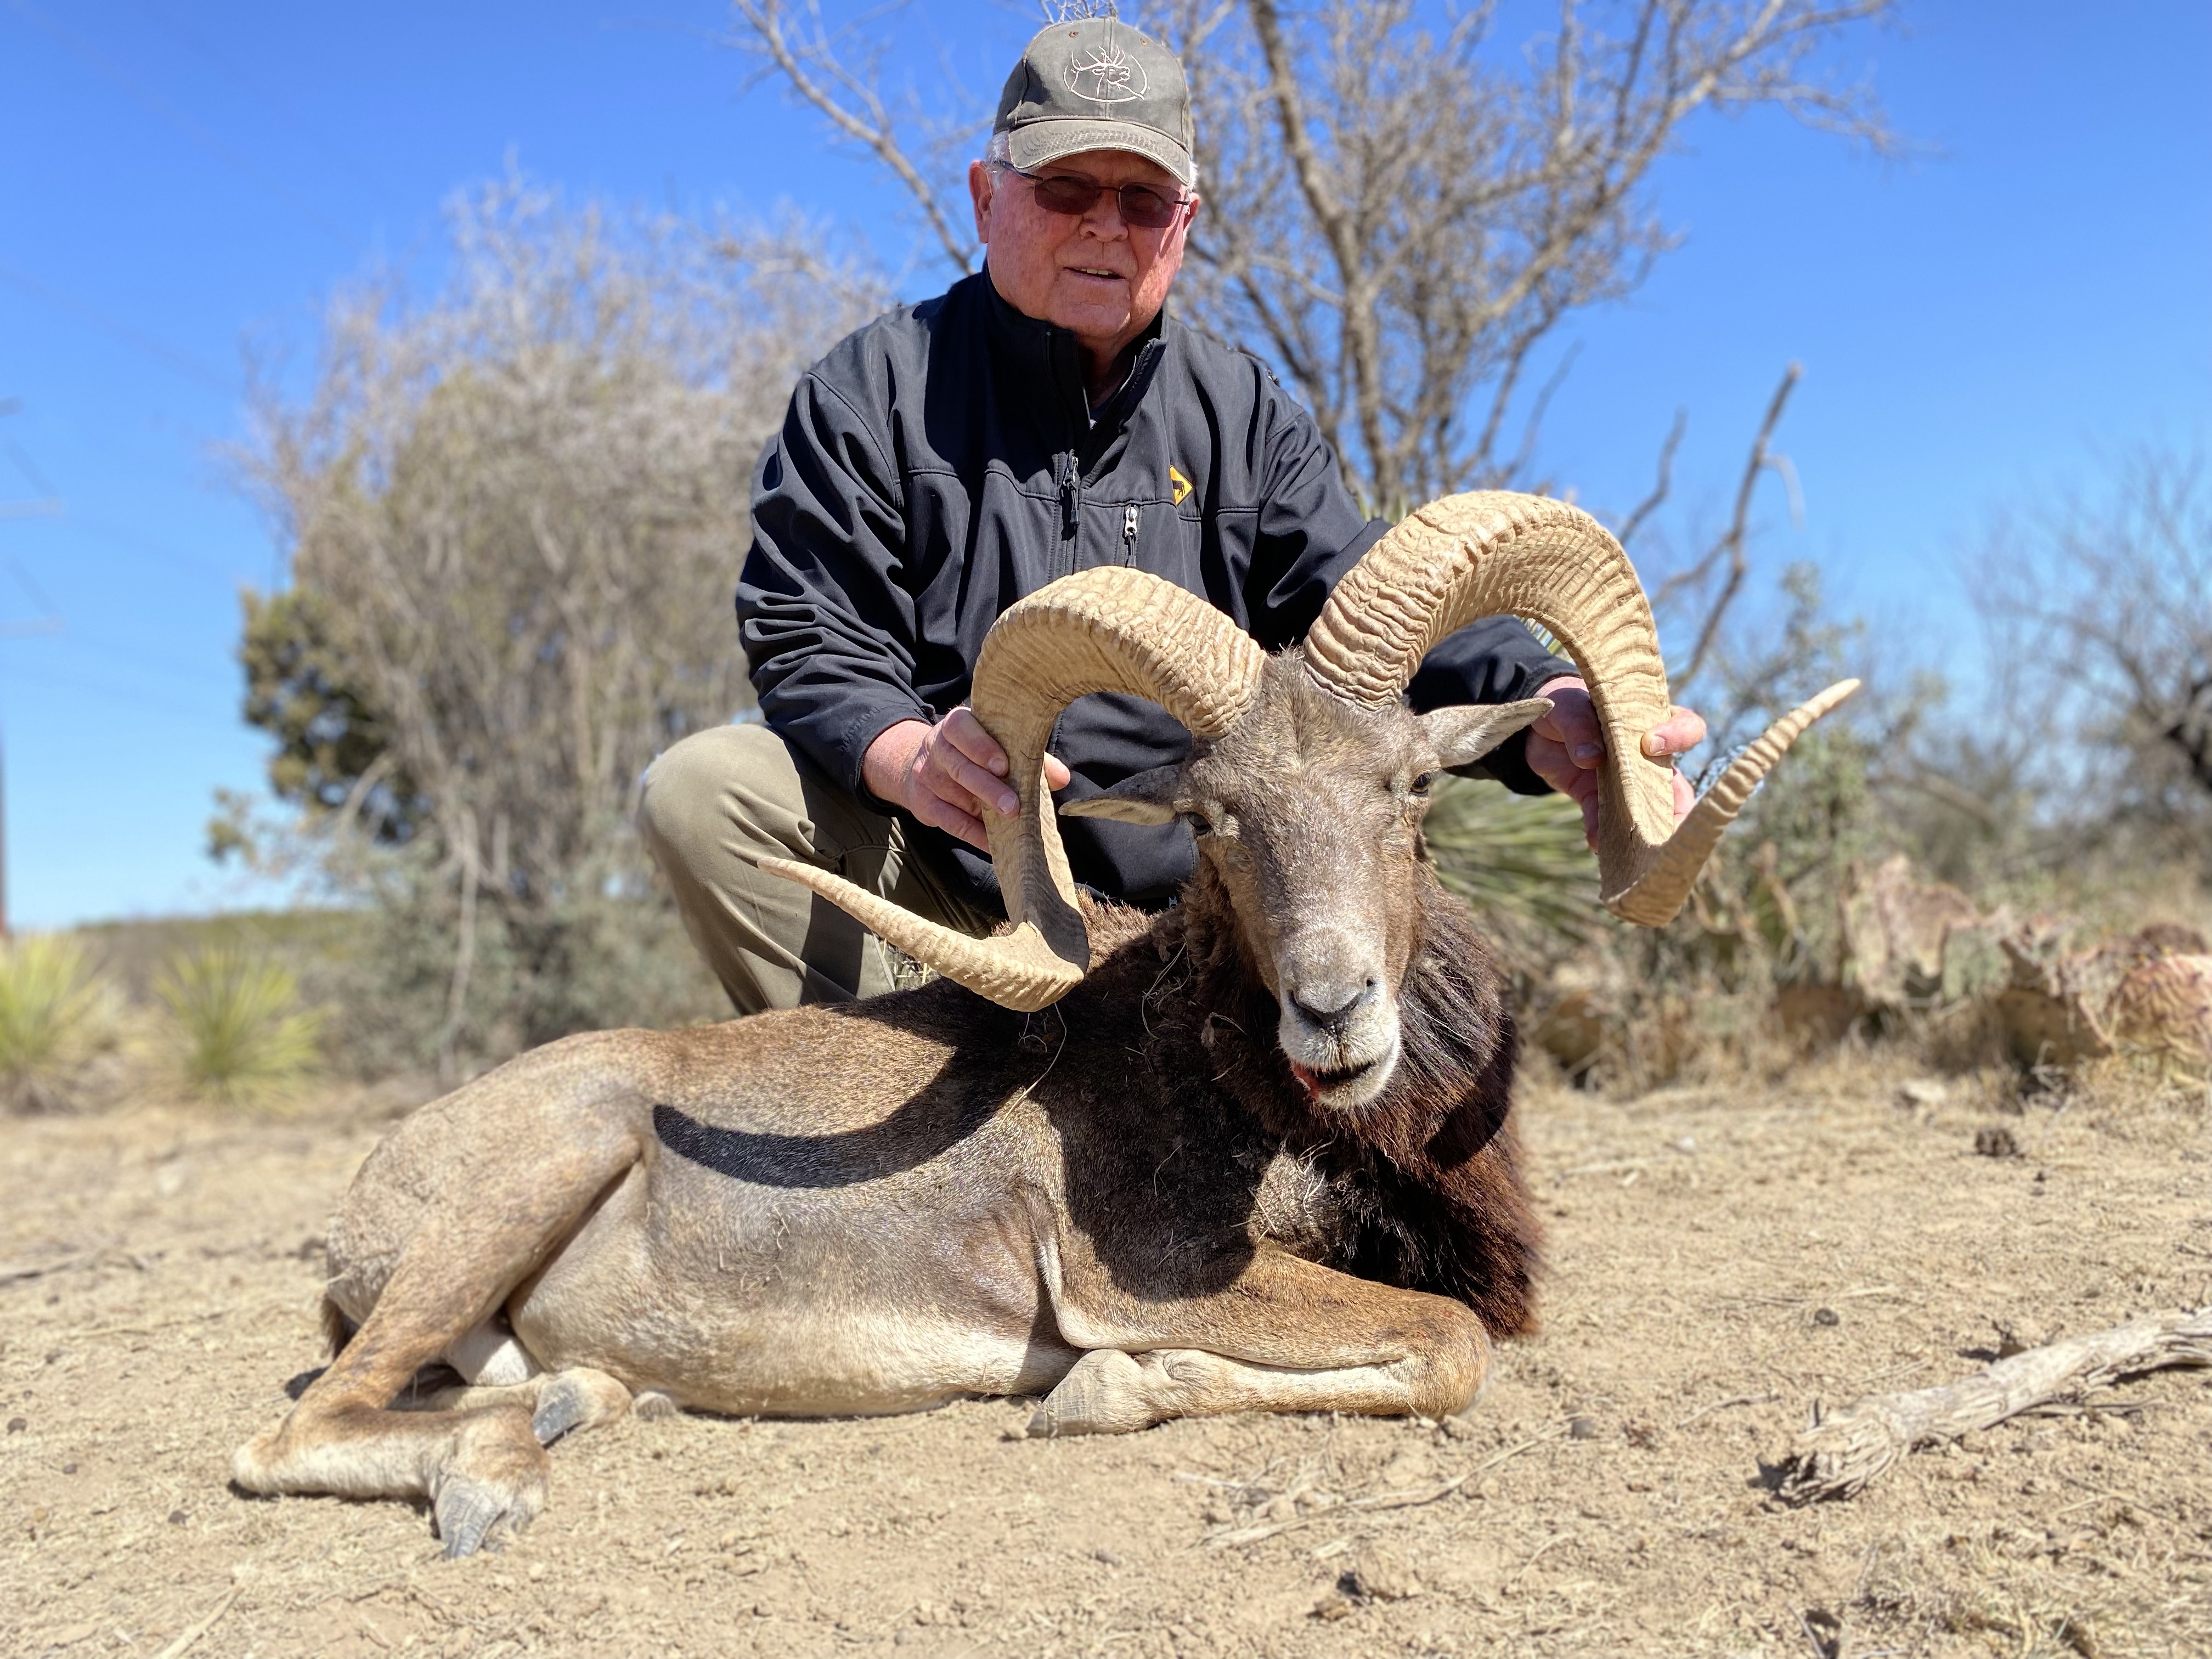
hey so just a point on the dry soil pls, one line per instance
(1720, 1261)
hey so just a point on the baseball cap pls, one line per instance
(1095, 83)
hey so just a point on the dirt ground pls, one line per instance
(1719, 1261)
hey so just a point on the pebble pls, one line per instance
(1581, 1428)
(1383, 1575)
(17, 1425)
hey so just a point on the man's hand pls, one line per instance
(1565, 746)
(949, 774)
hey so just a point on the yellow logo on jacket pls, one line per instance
(1178, 486)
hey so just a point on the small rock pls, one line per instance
(1581, 1428)
(1923, 1093)
(69, 1469)
(1282, 1507)
(177, 1517)
(1382, 1575)
(1333, 1606)
(1828, 1318)
(1216, 1514)
(17, 1425)
(1997, 1141)
(1106, 1557)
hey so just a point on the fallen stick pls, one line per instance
(1840, 1454)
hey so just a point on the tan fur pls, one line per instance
(1125, 1203)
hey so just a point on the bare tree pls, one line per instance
(2103, 602)
(515, 516)
(1399, 215)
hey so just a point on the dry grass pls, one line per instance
(235, 1031)
(58, 1018)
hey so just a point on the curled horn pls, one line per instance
(1492, 553)
(1113, 629)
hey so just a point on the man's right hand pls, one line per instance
(948, 774)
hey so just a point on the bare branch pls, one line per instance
(1660, 487)
(854, 106)
(1734, 543)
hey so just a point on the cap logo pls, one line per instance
(1107, 74)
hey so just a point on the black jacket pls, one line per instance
(943, 462)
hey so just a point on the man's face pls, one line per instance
(1102, 280)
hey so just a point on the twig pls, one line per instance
(12, 1270)
(1390, 1501)
(1822, 1648)
(2117, 1497)
(1840, 1455)
(1724, 1405)
(192, 1633)
(1558, 1537)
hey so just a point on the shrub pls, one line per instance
(57, 1015)
(240, 1035)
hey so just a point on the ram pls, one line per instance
(1252, 1153)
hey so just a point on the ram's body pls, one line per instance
(978, 1197)
(1252, 1155)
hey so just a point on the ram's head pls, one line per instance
(1307, 776)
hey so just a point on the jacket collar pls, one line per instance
(1046, 357)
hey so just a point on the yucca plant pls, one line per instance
(1520, 862)
(240, 1035)
(58, 1014)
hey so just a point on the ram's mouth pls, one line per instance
(1344, 1086)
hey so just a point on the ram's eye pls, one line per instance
(1422, 784)
(1198, 822)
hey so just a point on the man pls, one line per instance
(1046, 415)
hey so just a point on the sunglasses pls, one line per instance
(1142, 206)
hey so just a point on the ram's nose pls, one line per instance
(1331, 1004)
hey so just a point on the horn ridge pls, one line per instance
(1107, 629)
(1495, 552)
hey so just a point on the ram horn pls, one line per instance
(1111, 629)
(1494, 553)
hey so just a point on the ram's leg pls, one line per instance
(484, 1470)
(1287, 1336)
(561, 1403)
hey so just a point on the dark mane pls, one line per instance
(1426, 1181)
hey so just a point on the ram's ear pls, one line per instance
(1465, 733)
(1142, 798)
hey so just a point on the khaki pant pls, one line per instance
(723, 799)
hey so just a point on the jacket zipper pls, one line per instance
(1071, 505)
(1129, 534)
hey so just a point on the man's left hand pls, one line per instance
(1566, 745)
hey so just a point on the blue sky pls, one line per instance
(1976, 325)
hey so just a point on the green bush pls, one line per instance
(240, 1032)
(57, 1015)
